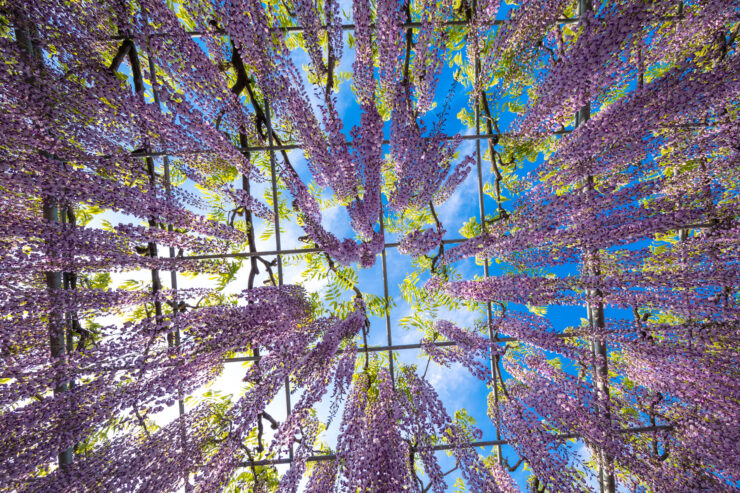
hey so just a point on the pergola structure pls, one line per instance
(128, 49)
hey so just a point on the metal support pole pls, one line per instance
(486, 273)
(387, 304)
(173, 273)
(278, 246)
(595, 313)
(151, 171)
(24, 32)
(167, 183)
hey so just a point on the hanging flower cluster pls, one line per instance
(658, 163)
(386, 428)
(351, 168)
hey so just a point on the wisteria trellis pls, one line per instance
(640, 191)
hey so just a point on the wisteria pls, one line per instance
(197, 190)
(469, 349)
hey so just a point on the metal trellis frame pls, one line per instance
(279, 252)
(290, 251)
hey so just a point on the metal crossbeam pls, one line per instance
(293, 251)
(360, 348)
(173, 273)
(482, 443)
(345, 27)
(278, 244)
(401, 347)
(482, 210)
(388, 335)
(295, 146)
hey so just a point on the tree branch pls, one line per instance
(329, 55)
(441, 250)
(142, 422)
(492, 141)
(409, 44)
(515, 466)
(358, 295)
(122, 53)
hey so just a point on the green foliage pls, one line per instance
(470, 228)
(540, 311)
(228, 275)
(459, 486)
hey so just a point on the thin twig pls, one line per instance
(251, 464)
(441, 250)
(515, 466)
(358, 296)
(409, 44)
(273, 422)
(142, 422)
(268, 265)
(501, 379)
(428, 487)
(329, 56)
(429, 359)
(412, 452)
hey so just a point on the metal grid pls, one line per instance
(279, 252)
